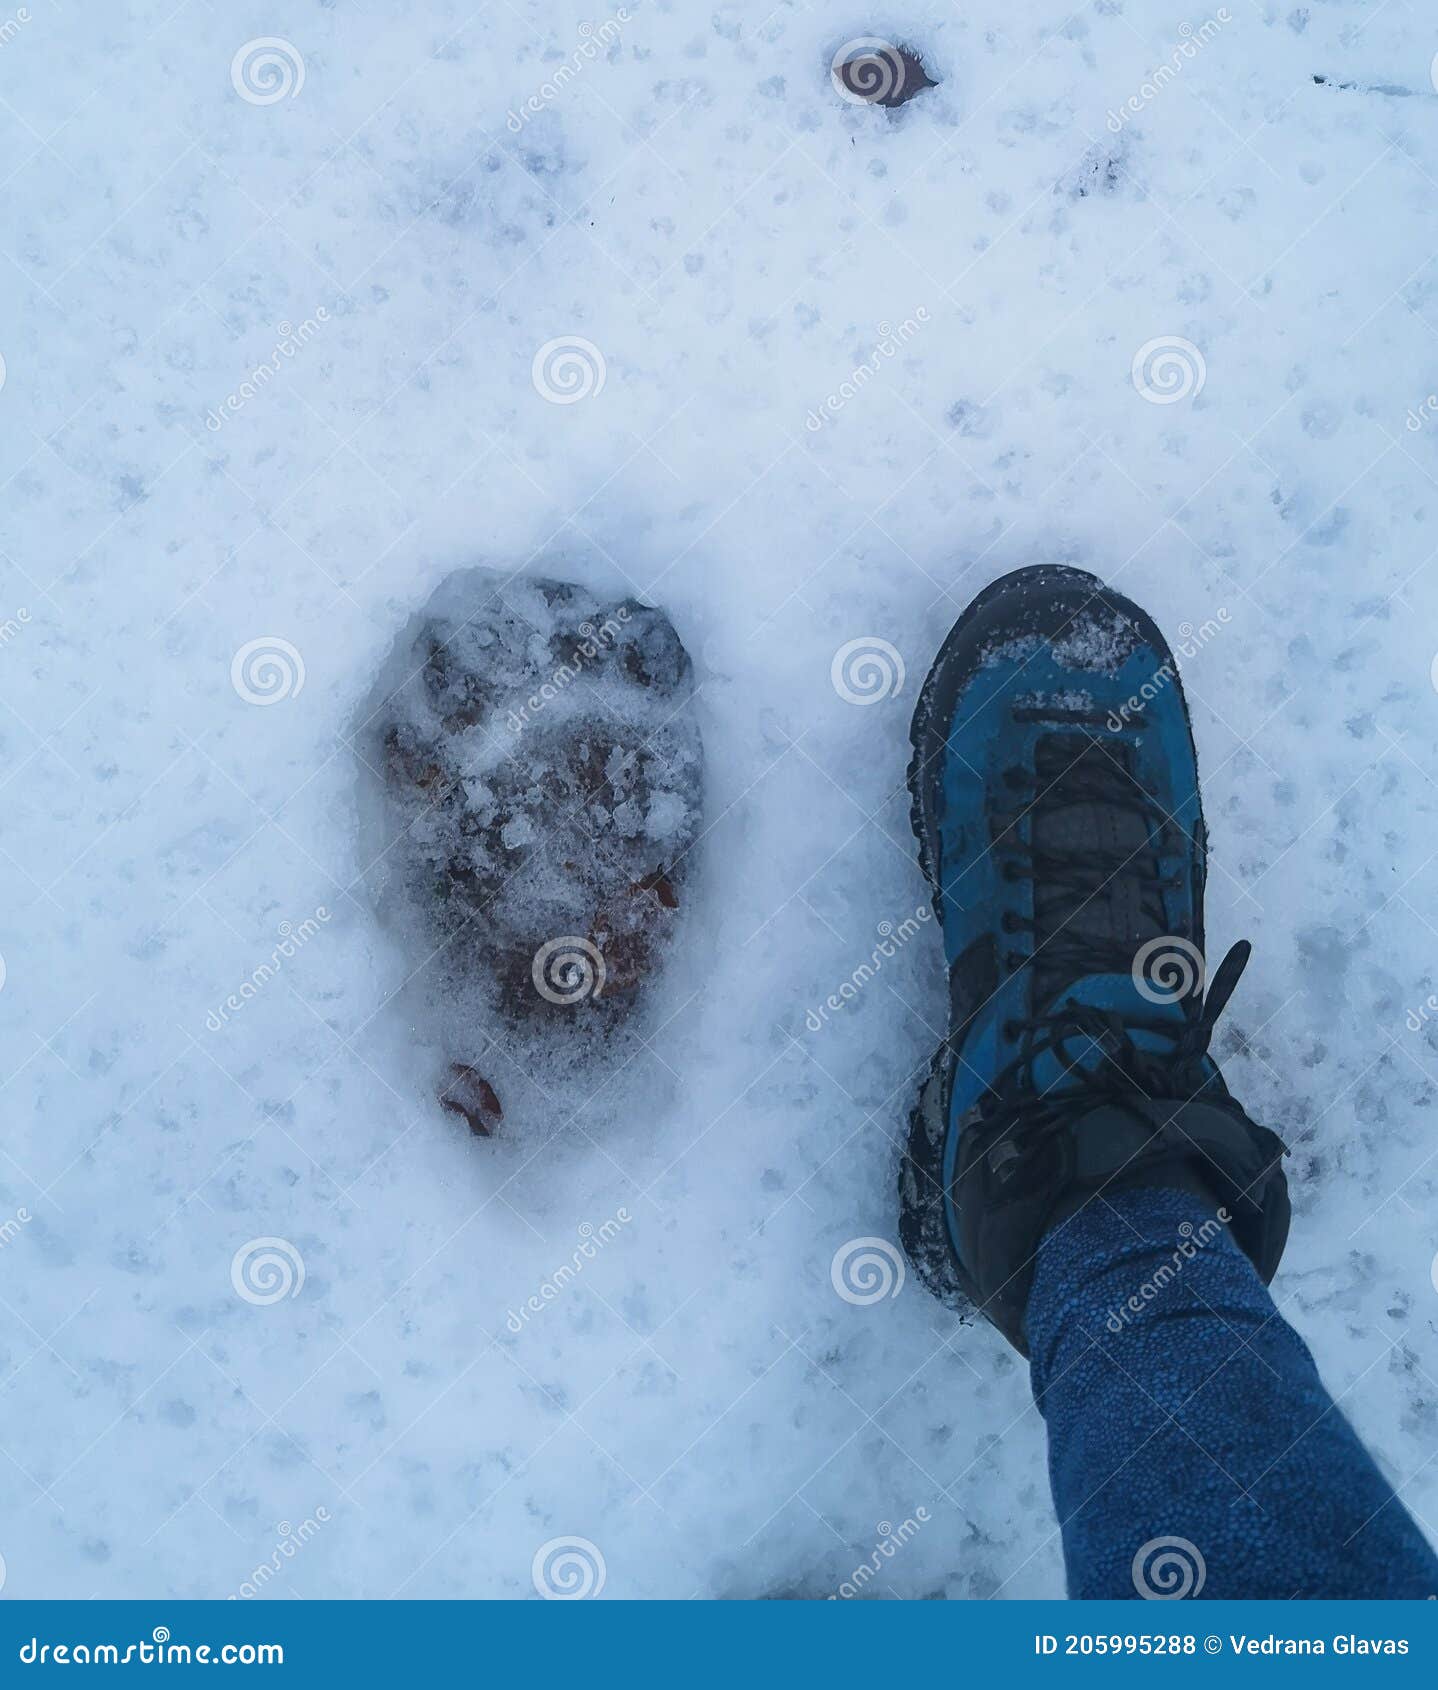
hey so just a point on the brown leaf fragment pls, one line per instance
(661, 886)
(469, 1094)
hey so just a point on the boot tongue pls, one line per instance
(1107, 892)
(1145, 1023)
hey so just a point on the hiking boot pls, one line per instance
(1056, 804)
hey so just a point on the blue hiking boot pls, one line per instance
(1056, 804)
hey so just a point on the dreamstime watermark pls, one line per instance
(267, 1270)
(1419, 415)
(593, 641)
(892, 938)
(286, 347)
(867, 670)
(1168, 369)
(1191, 1240)
(568, 1569)
(293, 937)
(290, 1540)
(267, 70)
(10, 1230)
(1191, 43)
(1168, 1569)
(1417, 1019)
(1191, 641)
(594, 39)
(869, 71)
(568, 369)
(888, 346)
(568, 970)
(155, 1650)
(1167, 969)
(267, 670)
(867, 1270)
(11, 626)
(891, 1540)
(592, 1240)
(12, 26)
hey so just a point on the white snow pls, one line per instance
(273, 370)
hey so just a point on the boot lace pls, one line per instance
(1097, 839)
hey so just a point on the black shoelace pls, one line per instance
(1095, 1049)
(1067, 879)
(1099, 1060)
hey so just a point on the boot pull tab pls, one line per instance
(1220, 990)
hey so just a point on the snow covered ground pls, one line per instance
(390, 219)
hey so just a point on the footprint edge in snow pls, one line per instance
(531, 776)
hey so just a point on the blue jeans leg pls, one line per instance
(1193, 1449)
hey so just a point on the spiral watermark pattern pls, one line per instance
(267, 1270)
(1168, 369)
(868, 71)
(1168, 969)
(267, 670)
(867, 670)
(568, 1569)
(568, 969)
(1168, 1569)
(568, 369)
(867, 1270)
(267, 70)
